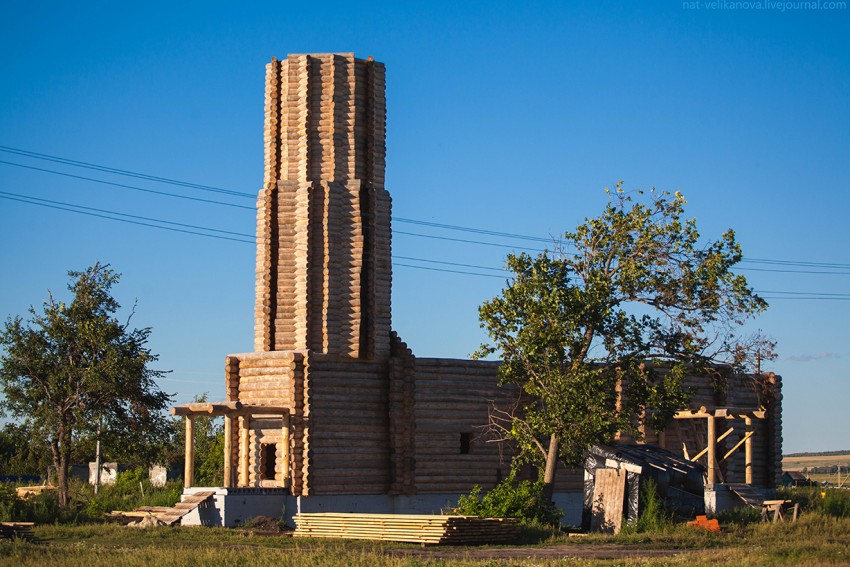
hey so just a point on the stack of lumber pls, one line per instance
(17, 530)
(424, 529)
(136, 515)
(24, 492)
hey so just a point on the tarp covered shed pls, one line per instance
(615, 476)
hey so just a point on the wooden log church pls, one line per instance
(332, 411)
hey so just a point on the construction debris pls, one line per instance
(704, 523)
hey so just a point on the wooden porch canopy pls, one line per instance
(229, 410)
(711, 414)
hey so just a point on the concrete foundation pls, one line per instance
(718, 497)
(232, 507)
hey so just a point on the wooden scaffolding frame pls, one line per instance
(231, 410)
(711, 415)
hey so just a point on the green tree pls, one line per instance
(599, 334)
(74, 364)
(22, 453)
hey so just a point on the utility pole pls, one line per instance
(97, 457)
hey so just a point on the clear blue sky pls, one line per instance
(504, 116)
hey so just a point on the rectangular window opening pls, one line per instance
(465, 443)
(268, 461)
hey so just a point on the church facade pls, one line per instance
(332, 407)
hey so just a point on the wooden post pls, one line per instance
(189, 466)
(712, 447)
(245, 451)
(228, 451)
(284, 465)
(748, 452)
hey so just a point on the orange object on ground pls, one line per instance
(705, 524)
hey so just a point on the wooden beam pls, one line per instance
(228, 451)
(189, 465)
(748, 452)
(245, 451)
(719, 439)
(712, 446)
(738, 444)
(727, 413)
(284, 465)
(219, 409)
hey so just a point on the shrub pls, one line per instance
(511, 499)
(653, 517)
(828, 501)
(84, 506)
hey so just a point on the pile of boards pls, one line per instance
(16, 530)
(413, 528)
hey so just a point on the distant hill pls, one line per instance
(821, 454)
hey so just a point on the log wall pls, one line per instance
(323, 216)
(268, 379)
(451, 399)
(348, 447)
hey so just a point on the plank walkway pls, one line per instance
(167, 515)
(411, 528)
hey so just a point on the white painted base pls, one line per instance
(718, 497)
(234, 506)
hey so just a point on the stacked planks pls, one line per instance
(17, 530)
(411, 528)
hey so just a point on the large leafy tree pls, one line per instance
(74, 365)
(599, 334)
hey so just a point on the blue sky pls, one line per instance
(503, 116)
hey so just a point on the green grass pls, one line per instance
(816, 539)
(820, 537)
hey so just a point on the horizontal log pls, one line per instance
(352, 488)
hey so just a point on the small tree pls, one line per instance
(599, 334)
(75, 364)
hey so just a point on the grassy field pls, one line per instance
(816, 539)
(798, 463)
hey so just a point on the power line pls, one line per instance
(499, 234)
(840, 295)
(435, 237)
(101, 213)
(125, 172)
(775, 271)
(474, 230)
(449, 263)
(123, 220)
(446, 270)
(174, 195)
(36, 201)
